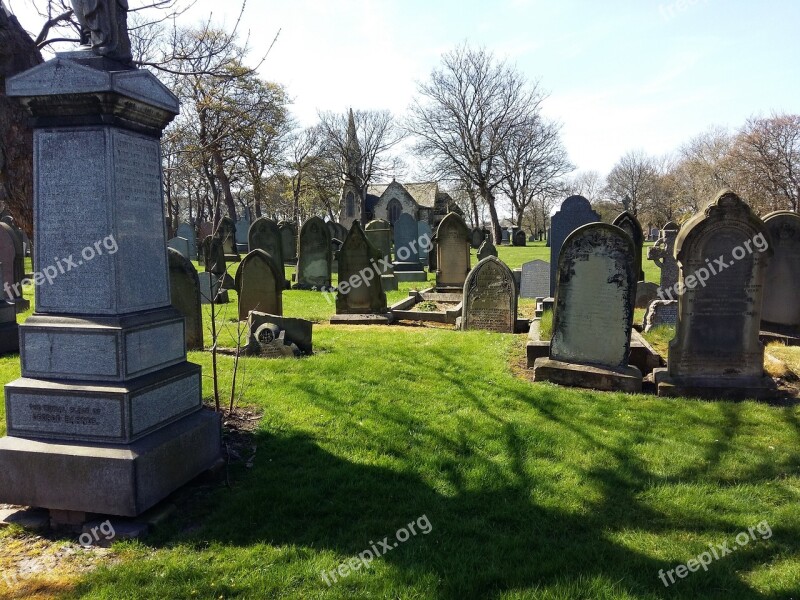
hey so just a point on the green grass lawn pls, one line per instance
(530, 490)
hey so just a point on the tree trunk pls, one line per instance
(497, 234)
(18, 53)
(224, 182)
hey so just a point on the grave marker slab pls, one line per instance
(535, 281)
(630, 225)
(288, 241)
(314, 261)
(265, 235)
(360, 291)
(487, 249)
(781, 312)
(186, 231)
(574, 212)
(184, 285)
(260, 285)
(453, 253)
(180, 245)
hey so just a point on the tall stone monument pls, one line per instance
(716, 352)
(574, 212)
(107, 416)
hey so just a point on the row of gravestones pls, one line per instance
(235, 238)
(734, 271)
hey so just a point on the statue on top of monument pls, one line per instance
(104, 25)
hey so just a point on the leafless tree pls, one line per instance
(632, 181)
(534, 161)
(464, 115)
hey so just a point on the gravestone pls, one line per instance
(260, 285)
(716, 352)
(242, 234)
(214, 261)
(575, 212)
(424, 235)
(593, 312)
(12, 257)
(453, 254)
(211, 289)
(333, 231)
(314, 260)
(505, 237)
(781, 312)
(406, 249)
(184, 287)
(265, 235)
(186, 231)
(180, 245)
(519, 238)
(107, 416)
(490, 298)
(360, 291)
(630, 225)
(660, 312)
(227, 233)
(9, 330)
(288, 241)
(535, 280)
(662, 253)
(487, 249)
(379, 234)
(476, 238)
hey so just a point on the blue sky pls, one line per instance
(621, 75)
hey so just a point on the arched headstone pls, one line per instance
(288, 241)
(781, 312)
(716, 350)
(487, 249)
(360, 289)
(593, 312)
(184, 285)
(453, 253)
(260, 285)
(265, 235)
(227, 233)
(630, 225)
(314, 261)
(574, 212)
(490, 298)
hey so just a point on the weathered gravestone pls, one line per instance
(288, 241)
(505, 237)
(242, 234)
(424, 235)
(593, 312)
(314, 261)
(9, 330)
(214, 261)
(453, 254)
(519, 238)
(664, 311)
(180, 245)
(12, 257)
(360, 291)
(535, 280)
(406, 244)
(211, 289)
(662, 253)
(490, 298)
(716, 352)
(476, 237)
(781, 312)
(630, 225)
(265, 235)
(184, 287)
(186, 231)
(379, 234)
(487, 249)
(575, 212)
(227, 233)
(260, 285)
(107, 417)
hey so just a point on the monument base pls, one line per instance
(592, 377)
(410, 276)
(122, 480)
(755, 388)
(389, 283)
(9, 338)
(362, 319)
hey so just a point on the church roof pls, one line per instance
(425, 194)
